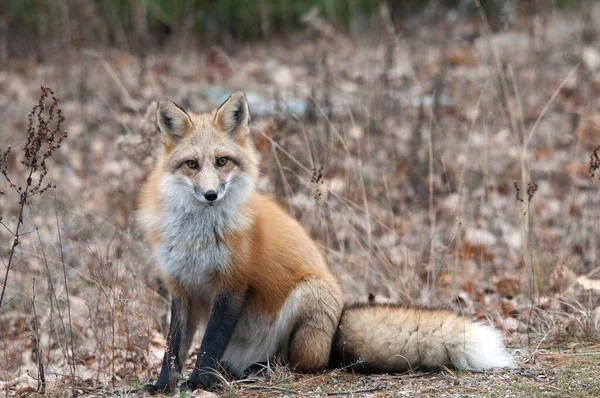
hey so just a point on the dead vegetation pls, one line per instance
(441, 164)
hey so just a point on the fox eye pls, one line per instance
(192, 164)
(222, 161)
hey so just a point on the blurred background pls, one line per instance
(440, 152)
(141, 26)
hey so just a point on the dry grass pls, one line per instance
(400, 160)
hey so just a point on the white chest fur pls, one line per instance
(192, 235)
(192, 245)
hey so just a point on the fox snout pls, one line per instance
(209, 193)
(209, 196)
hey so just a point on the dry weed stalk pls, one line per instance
(317, 181)
(532, 188)
(44, 137)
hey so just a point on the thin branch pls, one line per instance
(8, 229)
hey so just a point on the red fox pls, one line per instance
(234, 260)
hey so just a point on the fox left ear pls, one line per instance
(233, 116)
(172, 121)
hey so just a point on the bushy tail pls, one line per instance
(391, 338)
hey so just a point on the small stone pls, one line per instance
(204, 394)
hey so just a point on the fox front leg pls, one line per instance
(224, 316)
(173, 358)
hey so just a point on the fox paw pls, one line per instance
(157, 388)
(198, 380)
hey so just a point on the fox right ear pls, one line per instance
(172, 121)
(233, 116)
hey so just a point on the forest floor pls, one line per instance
(443, 165)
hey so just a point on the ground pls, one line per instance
(442, 164)
(572, 372)
(553, 375)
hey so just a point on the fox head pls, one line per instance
(209, 159)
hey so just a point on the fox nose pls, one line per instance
(211, 195)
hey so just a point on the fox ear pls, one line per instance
(233, 116)
(172, 121)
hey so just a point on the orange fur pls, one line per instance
(267, 257)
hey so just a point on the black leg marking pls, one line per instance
(172, 360)
(224, 316)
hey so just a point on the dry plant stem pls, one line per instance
(430, 164)
(64, 267)
(432, 220)
(438, 268)
(115, 78)
(286, 185)
(368, 226)
(44, 137)
(519, 101)
(512, 119)
(549, 103)
(22, 202)
(497, 60)
(52, 298)
(128, 354)
(526, 141)
(41, 387)
(461, 178)
(390, 40)
(39, 133)
(113, 379)
(351, 204)
(486, 173)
